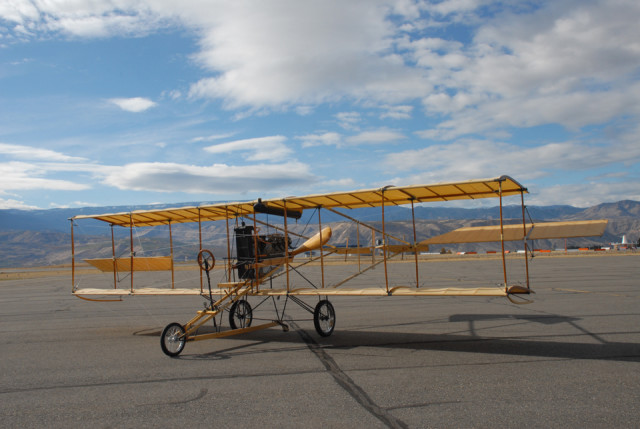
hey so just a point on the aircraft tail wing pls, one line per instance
(537, 231)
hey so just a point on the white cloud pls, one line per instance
(397, 112)
(155, 177)
(572, 54)
(376, 137)
(18, 11)
(573, 110)
(304, 110)
(215, 179)
(331, 185)
(518, 65)
(34, 153)
(173, 94)
(23, 176)
(15, 204)
(292, 52)
(449, 7)
(468, 159)
(585, 194)
(135, 104)
(348, 120)
(324, 139)
(82, 18)
(570, 63)
(212, 137)
(270, 148)
(73, 204)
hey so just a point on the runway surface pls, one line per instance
(570, 359)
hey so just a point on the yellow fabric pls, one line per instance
(372, 291)
(545, 230)
(139, 291)
(156, 263)
(390, 195)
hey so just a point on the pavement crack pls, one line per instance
(202, 394)
(347, 383)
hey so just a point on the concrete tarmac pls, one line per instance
(569, 359)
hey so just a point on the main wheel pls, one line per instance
(172, 339)
(240, 315)
(324, 318)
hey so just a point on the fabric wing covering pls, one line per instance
(539, 231)
(389, 195)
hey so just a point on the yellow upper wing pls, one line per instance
(389, 195)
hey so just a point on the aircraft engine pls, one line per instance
(268, 246)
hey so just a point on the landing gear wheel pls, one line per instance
(172, 339)
(324, 318)
(240, 315)
(206, 260)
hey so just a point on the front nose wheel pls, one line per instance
(173, 339)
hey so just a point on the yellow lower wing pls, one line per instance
(156, 263)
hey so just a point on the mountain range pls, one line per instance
(42, 237)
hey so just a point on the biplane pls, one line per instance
(261, 260)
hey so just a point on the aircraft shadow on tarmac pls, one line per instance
(578, 345)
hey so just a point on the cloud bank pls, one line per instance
(467, 75)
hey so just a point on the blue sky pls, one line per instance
(133, 102)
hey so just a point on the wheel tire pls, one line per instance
(240, 315)
(324, 318)
(173, 339)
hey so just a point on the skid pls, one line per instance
(238, 331)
